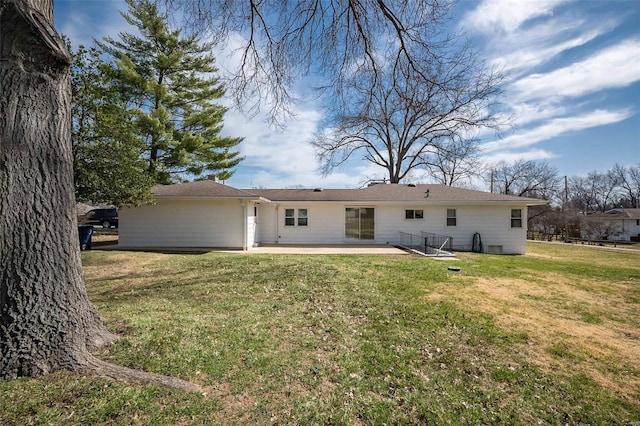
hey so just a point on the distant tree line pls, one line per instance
(571, 198)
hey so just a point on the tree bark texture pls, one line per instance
(46, 320)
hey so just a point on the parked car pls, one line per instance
(103, 217)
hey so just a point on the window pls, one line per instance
(359, 223)
(414, 214)
(516, 218)
(289, 219)
(302, 217)
(451, 217)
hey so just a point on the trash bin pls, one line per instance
(85, 232)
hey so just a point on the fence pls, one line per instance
(536, 235)
(427, 243)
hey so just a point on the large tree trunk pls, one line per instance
(46, 320)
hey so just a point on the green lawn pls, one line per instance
(550, 337)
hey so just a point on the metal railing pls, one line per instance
(427, 243)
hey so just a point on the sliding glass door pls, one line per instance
(359, 223)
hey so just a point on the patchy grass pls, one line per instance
(578, 305)
(550, 337)
(610, 244)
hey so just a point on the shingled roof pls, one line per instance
(374, 193)
(633, 214)
(201, 189)
(391, 192)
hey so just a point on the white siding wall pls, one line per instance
(251, 225)
(621, 229)
(327, 221)
(634, 227)
(266, 224)
(325, 224)
(628, 228)
(183, 223)
(493, 223)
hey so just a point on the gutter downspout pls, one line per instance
(277, 239)
(244, 225)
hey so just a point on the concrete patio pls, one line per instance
(327, 249)
(306, 249)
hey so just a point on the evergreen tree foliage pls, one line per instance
(170, 80)
(108, 165)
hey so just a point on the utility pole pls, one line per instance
(564, 209)
(491, 185)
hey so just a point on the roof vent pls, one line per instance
(374, 182)
(426, 194)
(412, 185)
(317, 190)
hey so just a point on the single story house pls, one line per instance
(207, 214)
(615, 224)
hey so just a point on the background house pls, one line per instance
(615, 224)
(210, 214)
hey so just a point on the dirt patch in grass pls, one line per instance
(236, 406)
(541, 256)
(117, 265)
(569, 325)
(104, 238)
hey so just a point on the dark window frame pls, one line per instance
(295, 217)
(303, 220)
(452, 220)
(413, 214)
(289, 217)
(516, 218)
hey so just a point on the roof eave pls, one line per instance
(527, 202)
(214, 197)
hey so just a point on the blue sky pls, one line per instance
(573, 89)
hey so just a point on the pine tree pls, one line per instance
(171, 82)
(108, 167)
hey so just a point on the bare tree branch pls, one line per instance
(628, 180)
(526, 178)
(339, 41)
(600, 191)
(408, 122)
(455, 161)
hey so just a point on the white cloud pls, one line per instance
(511, 157)
(613, 67)
(526, 113)
(522, 35)
(229, 54)
(506, 16)
(282, 149)
(283, 157)
(524, 52)
(557, 127)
